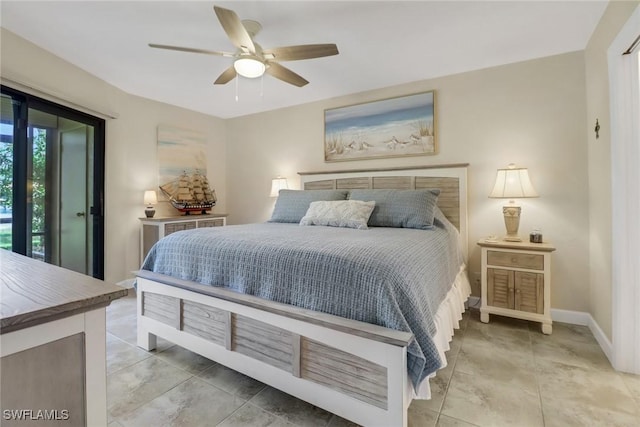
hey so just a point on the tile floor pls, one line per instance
(505, 373)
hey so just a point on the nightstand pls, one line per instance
(154, 229)
(516, 281)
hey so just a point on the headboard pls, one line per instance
(450, 179)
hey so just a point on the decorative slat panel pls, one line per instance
(216, 222)
(500, 288)
(529, 292)
(262, 342)
(327, 184)
(361, 183)
(204, 321)
(178, 226)
(296, 359)
(162, 308)
(449, 199)
(393, 182)
(352, 375)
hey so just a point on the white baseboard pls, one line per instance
(585, 319)
(573, 318)
(473, 302)
(605, 343)
(127, 283)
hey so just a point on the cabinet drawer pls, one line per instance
(512, 259)
(178, 226)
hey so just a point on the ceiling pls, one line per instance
(381, 43)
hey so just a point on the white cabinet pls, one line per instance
(154, 229)
(516, 281)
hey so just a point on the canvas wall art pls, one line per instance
(403, 126)
(180, 151)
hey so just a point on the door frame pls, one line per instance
(20, 169)
(625, 193)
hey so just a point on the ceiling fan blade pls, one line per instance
(234, 29)
(285, 74)
(190, 49)
(307, 51)
(226, 76)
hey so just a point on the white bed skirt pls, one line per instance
(447, 319)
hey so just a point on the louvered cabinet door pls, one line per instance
(529, 291)
(500, 286)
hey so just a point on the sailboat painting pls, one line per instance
(182, 173)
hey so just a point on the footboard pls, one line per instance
(353, 369)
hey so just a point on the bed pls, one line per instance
(364, 355)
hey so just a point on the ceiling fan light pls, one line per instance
(249, 67)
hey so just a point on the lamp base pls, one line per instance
(149, 212)
(512, 222)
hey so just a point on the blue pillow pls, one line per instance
(400, 208)
(292, 205)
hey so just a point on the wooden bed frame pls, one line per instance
(353, 369)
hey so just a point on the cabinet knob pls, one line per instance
(514, 260)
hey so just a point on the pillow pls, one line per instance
(341, 213)
(292, 205)
(401, 208)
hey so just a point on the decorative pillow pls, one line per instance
(400, 208)
(342, 213)
(292, 205)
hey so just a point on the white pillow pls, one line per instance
(339, 213)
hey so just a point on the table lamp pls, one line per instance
(150, 199)
(278, 184)
(512, 183)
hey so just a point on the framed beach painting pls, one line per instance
(402, 126)
(180, 152)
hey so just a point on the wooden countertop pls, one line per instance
(503, 244)
(34, 292)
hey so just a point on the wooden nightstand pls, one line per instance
(154, 229)
(516, 281)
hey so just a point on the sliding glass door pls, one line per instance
(51, 183)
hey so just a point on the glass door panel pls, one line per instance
(6, 171)
(51, 183)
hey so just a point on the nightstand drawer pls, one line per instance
(514, 259)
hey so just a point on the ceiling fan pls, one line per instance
(251, 60)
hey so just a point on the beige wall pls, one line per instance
(531, 113)
(131, 164)
(599, 158)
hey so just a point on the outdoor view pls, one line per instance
(38, 139)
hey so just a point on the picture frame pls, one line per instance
(394, 127)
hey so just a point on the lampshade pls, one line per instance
(512, 183)
(150, 197)
(249, 66)
(278, 184)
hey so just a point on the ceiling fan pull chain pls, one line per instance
(262, 86)
(237, 79)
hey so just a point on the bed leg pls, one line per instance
(146, 340)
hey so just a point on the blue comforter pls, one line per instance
(392, 277)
